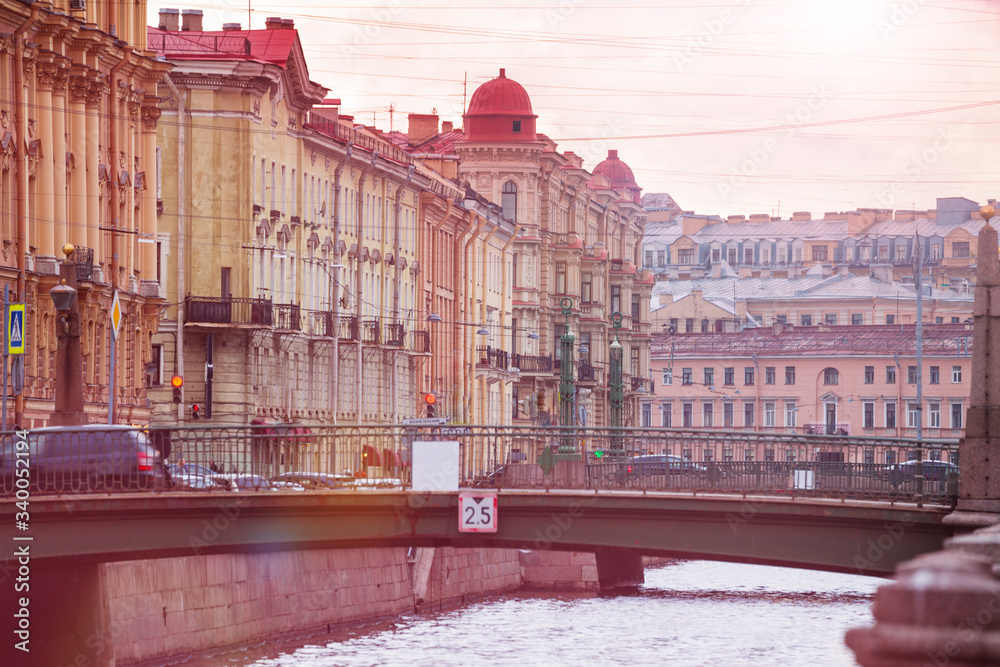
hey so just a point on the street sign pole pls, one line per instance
(116, 319)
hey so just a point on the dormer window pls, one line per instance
(517, 126)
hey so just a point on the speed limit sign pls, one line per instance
(477, 513)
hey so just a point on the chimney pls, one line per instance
(273, 23)
(802, 216)
(735, 219)
(447, 126)
(760, 217)
(422, 126)
(231, 26)
(170, 19)
(613, 154)
(288, 24)
(777, 328)
(191, 20)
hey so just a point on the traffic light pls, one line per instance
(177, 382)
(195, 411)
(430, 400)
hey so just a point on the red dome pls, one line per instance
(616, 171)
(500, 110)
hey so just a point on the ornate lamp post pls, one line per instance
(69, 355)
(567, 387)
(617, 390)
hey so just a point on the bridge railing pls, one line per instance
(219, 458)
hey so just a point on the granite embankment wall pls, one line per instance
(168, 607)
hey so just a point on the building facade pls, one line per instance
(78, 122)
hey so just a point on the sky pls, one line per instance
(733, 107)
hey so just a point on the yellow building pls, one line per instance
(294, 237)
(78, 119)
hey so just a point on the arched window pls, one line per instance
(508, 200)
(831, 376)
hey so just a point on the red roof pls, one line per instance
(270, 46)
(616, 171)
(500, 96)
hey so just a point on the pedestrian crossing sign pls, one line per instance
(15, 329)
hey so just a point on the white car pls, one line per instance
(244, 483)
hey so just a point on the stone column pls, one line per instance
(147, 230)
(79, 86)
(95, 95)
(59, 219)
(45, 204)
(979, 484)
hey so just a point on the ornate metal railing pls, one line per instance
(680, 460)
(288, 316)
(532, 364)
(421, 341)
(395, 334)
(492, 357)
(348, 327)
(371, 331)
(232, 310)
(320, 323)
(588, 373)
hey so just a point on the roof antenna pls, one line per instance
(465, 88)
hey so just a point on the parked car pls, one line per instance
(933, 471)
(195, 482)
(246, 482)
(191, 469)
(91, 457)
(662, 464)
(315, 480)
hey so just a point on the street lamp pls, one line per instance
(617, 391)
(567, 386)
(69, 356)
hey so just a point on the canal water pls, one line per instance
(688, 614)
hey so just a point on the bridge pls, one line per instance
(820, 502)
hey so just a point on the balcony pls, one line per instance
(347, 328)
(588, 373)
(492, 357)
(288, 316)
(230, 310)
(83, 259)
(421, 341)
(395, 334)
(532, 364)
(320, 323)
(638, 384)
(371, 331)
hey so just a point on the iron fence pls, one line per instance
(228, 310)
(262, 457)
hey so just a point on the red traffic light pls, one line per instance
(176, 381)
(430, 398)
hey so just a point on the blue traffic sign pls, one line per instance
(15, 329)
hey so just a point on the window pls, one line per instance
(727, 455)
(635, 309)
(857, 318)
(706, 414)
(789, 374)
(689, 325)
(748, 375)
(508, 201)
(732, 256)
(668, 376)
(560, 277)
(791, 413)
(661, 257)
(960, 249)
(685, 256)
(709, 377)
(516, 126)
(748, 414)
(716, 255)
(869, 414)
(781, 319)
(935, 375)
(890, 319)
(869, 456)
(806, 320)
(225, 284)
(727, 415)
(770, 374)
(515, 281)
(890, 414)
(769, 455)
(956, 374)
(830, 318)
(831, 376)
(557, 347)
(704, 325)
(616, 298)
(769, 414)
(647, 415)
(687, 409)
(819, 253)
(649, 258)
(673, 323)
(154, 370)
(686, 376)
(912, 415)
(586, 289)
(748, 256)
(954, 320)
(729, 375)
(708, 455)
(668, 417)
(869, 375)
(748, 455)
(890, 375)
(790, 455)
(939, 320)
(934, 415)
(956, 415)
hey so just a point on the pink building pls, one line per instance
(847, 380)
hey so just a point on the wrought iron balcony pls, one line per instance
(421, 341)
(588, 373)
(492, 357)
(288, 316)
(395, 334)
(371, 331)
(638, 383)
(229, 310)
(532, 364)
(320, 323)
(348, 327)
(83, 258)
